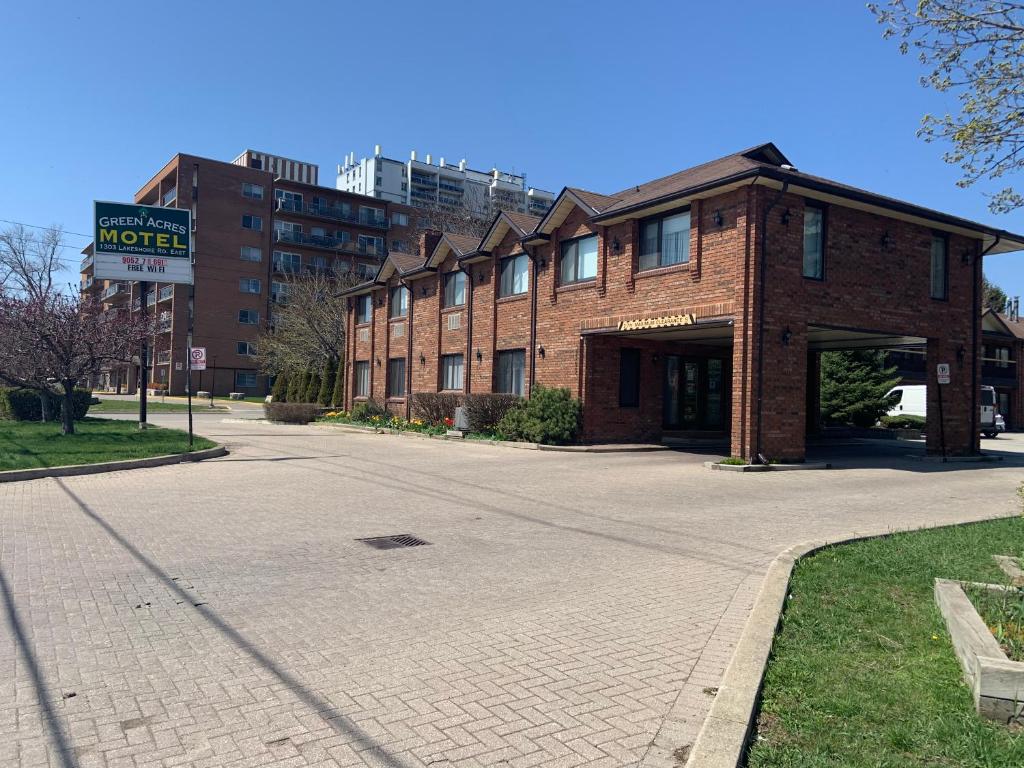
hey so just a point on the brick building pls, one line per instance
(695, 305)
(256, 221)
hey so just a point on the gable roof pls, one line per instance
(997, 322)
(521, 223)
(460, 245)
(591, 203)
(401, 262)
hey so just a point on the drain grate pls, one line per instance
(393, 542)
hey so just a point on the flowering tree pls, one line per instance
(56, 339)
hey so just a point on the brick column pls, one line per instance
(958, 425)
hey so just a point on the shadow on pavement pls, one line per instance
(57, 735)
(905, 455)
(316, 703)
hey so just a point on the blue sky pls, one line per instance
(594, 94)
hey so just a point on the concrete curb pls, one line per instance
(630, 448)
(15, 475)
(806, 466)
(723, 738)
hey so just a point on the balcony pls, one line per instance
(451, 188)
(166, 293)
(163, 323)
(170, 196)
(328, 243)
(163, 357)
(87, 282)
(86, 264)
(112, 290)
(332, 213)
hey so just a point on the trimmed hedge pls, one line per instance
(485, 411)
(23, 404)
(364, 409)
(291, 413)
(904, 421)
(551, 416)
(435, 407)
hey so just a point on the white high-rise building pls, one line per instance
(423, 183)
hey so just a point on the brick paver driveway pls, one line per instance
(570, 609)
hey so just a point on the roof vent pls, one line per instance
(788, 167)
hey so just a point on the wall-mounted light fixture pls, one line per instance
(785, 217)
(886, 241)
(378, 362)
(542, 263)
(423, 360)
(787, 336)
(380, 302)
(481, 275)
(616, 245)
(965, 256)
(479, 355)
(655, 358)
(961, 354)
(423, 290)
(541, 351)
(717, 218)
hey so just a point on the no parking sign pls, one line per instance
(197, 358)
(942, 372)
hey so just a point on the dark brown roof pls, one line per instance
(524, 221)
(406, 262)
(463, 244)
(595, 200)
(762, 156)
(1016, 327)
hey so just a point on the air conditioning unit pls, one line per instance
(454, 321)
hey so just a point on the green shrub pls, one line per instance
(24, 405)
(485, 411)
(313, 387)
(734, 461)
(551, 416)
(291, 413)
(435, 407)
(294, 393)
(280, 390)
(323, 396)
(364, 409)
(338, 393)
(903, 421)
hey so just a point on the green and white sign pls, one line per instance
(142, 242)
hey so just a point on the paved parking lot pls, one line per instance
(569, 609)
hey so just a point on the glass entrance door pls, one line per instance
(694, 393)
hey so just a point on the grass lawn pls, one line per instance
(863, 673)
(29, 445)
(132, 406)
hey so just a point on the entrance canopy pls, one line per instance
(716, 332)
(824, 338)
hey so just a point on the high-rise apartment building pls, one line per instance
(256, 221)
(423, 183)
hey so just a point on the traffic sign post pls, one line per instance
(196, 362)
(942, 375)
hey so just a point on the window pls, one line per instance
(940, 283)
(252, 191)
(515, 275)
(371, 245)
(248, 317)
(629, 378)
(361, 385)
(364, 308)
(289, 201)
(368, 215)
(287, 262)
(396, 377)
(579, 260)
(366, 271)
(399, 302)
(279, 292)
(245, 348)
(255, 223)
(249, 285)
(400, 219)
(286, 229)
(451, 372)
(814, 242)
(398, 245)
(665, 241)
(245, 380)
(250, 253)
(512, 371)
(454, 289)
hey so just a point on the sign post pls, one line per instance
(142, 243)
(196, 362)
(942, 375)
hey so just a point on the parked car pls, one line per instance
(912, 399)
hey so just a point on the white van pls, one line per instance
(912, 399)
